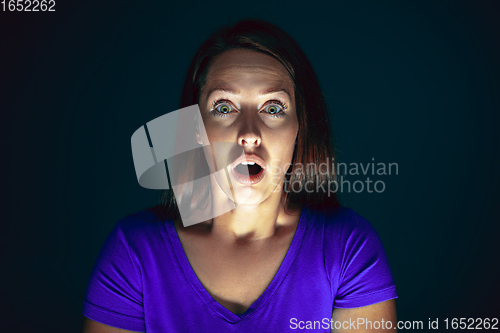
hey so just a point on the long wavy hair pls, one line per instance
(315, 138)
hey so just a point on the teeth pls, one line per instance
(248, 163)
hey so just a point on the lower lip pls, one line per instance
(250, 179)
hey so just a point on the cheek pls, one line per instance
(284, 134)
(283, 144)
(213, 130)
(290, 135)
(220, 134)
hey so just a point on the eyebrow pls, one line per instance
(236, 92)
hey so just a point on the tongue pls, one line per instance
(252, 170)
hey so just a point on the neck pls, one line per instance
(250, 222)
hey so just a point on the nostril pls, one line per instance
(249, 141)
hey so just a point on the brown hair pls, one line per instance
(314, 145)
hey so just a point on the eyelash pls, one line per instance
(215, 104)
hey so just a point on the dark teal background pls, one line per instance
(408, 82)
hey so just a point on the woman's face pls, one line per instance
(248, 101)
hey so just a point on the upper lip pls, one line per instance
(249, 158)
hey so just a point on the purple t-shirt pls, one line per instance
(142, 279)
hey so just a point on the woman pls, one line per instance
(287, 256)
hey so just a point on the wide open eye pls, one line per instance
(275, 108)
(224, 108)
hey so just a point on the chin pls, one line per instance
(248, 195)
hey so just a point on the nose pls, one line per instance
(249, 139)
(249, 135)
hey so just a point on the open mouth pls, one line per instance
(248, 169)
(251, 168)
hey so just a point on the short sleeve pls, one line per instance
(364, 275)
(114, 293)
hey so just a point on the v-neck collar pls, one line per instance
(266, 295)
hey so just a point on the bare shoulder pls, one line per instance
(382, 312)
(91, 326)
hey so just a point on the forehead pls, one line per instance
(247, 68)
